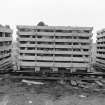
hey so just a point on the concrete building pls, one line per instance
(5, 47)
(54, 48)
(100, 44)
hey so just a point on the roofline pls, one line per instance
(53, 27)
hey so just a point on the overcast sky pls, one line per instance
(54, 12)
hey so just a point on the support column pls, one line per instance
(88, 69)
(55, 69)
(3, 34)
(18, 67)
(37, 69)
(73, 69)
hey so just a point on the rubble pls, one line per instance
(82, 96)
(55, 93)
(32, 82)
(99, 83)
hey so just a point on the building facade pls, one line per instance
(54, 48)
(100, 44)
(5, 48)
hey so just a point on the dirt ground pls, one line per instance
(18, 93)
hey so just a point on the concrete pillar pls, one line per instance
(55, 69)
(18, 67)
(88, 69)
(73, 69)
(37, 69)
(3, 34)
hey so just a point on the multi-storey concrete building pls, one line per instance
(100, 44)
(54, 48)
(5, 47)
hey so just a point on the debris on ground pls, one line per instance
(82, 96)
(99, 83)
(32, 82)
(51, 93)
